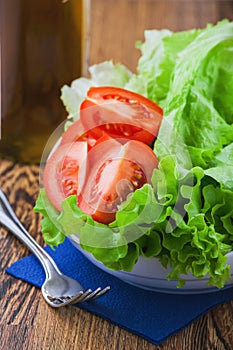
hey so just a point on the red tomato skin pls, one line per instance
(121, 113)
(111, 92)
(76, 133)
(107, 146)
(61, 174)
(124, 166)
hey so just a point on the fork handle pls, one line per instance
(9, 219)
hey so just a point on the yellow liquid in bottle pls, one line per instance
(42, 48)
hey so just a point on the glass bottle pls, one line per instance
(43, 46)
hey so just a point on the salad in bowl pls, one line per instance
(141, 178)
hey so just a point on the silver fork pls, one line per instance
(57, 289)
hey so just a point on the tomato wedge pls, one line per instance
(104, 156)
(62, 172)
(121, 114)
(77, 132)
(114, 170)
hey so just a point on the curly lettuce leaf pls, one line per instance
(50, 227)
(198, 109)
(224, 156)
(105, 73)
(184, 218)
(159, 53)
(221, 168)
(183, 221)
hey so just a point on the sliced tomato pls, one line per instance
(77, 132)
(114, 170)
(121, 114)
(62, 172)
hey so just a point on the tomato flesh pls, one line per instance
(62, 172)
(104, 156)
(120, 170)
(77, 133)
(121, 114)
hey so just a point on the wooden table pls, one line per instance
(26, 321)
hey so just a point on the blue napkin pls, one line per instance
(151, 315)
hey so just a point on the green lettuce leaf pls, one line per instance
(184, 217)
(159, 53)
(197, 109)
(105, 73)
(183, 221)
(51, 229)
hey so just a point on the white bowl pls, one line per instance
(148, 273)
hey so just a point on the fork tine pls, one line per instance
(101, 292)
(56, 283)
(81, 297)
(97, 293)
(92, 294)
(89, 295)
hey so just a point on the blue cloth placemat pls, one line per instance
(153, 316)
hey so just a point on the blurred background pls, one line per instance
(46, 44)
(126, 22)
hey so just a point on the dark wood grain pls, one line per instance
(26, 321)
